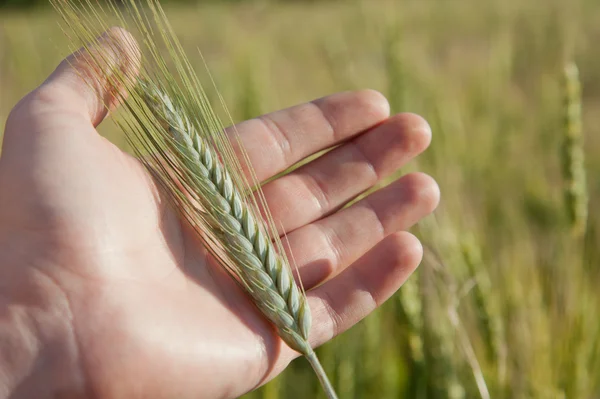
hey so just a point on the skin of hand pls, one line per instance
(106, 293)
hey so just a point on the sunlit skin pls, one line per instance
(106, 293)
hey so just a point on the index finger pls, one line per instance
(276, 141)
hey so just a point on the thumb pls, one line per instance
(71, 102)
(88, 83)
(92, 80)
(51, 152)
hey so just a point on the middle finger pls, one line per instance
(322, 186)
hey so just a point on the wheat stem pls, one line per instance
(321, 375)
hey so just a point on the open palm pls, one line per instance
(118, 294)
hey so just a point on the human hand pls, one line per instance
(105, 292)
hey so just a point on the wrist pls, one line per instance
(38, 350)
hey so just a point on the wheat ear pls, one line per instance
(260, 268)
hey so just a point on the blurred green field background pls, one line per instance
(505, 303)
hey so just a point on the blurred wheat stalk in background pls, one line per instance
(576, 195)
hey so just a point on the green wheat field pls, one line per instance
(506, 302)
